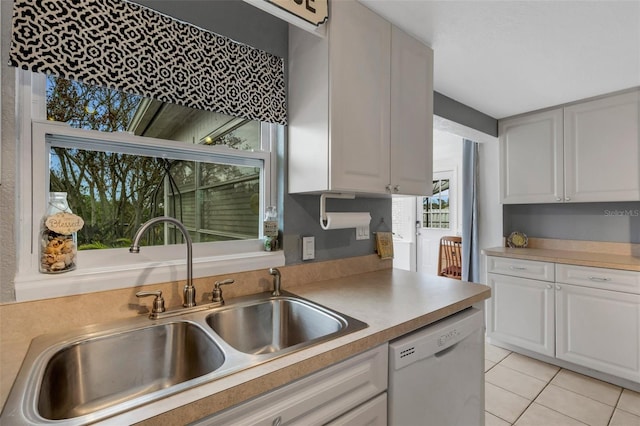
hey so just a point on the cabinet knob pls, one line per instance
(558, 287)
(549, 286)
(558, 199)
(567, 198)
(388, 187)
(396, 188)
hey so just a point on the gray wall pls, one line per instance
(615, 222)
(302, 219)
(453, 110)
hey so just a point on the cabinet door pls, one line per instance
(359, 87)
(531, 158)
(411, 115)
(521, 312)
(371, 413)
(315, 399)
(599, 329)
(602, 149)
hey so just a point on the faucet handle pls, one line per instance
(158, 302)
(216, 294)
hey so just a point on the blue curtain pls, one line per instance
(470, 251)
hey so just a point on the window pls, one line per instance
(435, 209)
(123, 160)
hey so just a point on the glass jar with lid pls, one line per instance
(58, 236)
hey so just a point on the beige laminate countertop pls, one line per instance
(582, 258)
(392, 302)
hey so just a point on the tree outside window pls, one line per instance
(115, 192)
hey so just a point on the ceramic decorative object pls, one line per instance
(517, 240)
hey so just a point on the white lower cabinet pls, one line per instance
(521, 308)
(346, 389)
(371, 413)
(522, 313)
(583, 315)
(599, 329)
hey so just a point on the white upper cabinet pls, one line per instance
(584, 152)
(602, 149)
(531, 158)
(411, 112)
(360, 107)
(359, 94)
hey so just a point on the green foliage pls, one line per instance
(89, 107)
(114, 192)
(97, 245)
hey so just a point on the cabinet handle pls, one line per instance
(558, 287)
(558, 199)
(518, 268)
(600, 279)
(567, 198)
(549, 286)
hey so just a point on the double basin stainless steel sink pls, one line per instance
(101, 371)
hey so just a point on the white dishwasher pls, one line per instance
(436, 374)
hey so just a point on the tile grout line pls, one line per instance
(537, 395)
(588, 397)
(560, 369)
(527, 374)
(616, 407)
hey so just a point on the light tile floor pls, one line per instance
(522, 391)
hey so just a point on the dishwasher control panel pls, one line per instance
(435, 338)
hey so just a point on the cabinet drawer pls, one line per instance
(543, 271)
(606, 279)
(371, 413)
(315, 399)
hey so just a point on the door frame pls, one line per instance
(432, 235)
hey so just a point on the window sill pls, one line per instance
(143, 270)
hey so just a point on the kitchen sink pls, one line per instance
(96, 373)
(271, 326)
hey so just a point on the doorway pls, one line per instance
(436, 216)
(418, 226)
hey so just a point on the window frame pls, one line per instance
(438, 211)
(100, 270)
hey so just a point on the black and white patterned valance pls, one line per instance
(128, 47)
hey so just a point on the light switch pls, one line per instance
(308, 248)
(362, 232)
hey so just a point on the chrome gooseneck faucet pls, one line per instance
(189, 292)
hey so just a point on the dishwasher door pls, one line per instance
(436, 374)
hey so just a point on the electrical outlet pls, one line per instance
(308, 248)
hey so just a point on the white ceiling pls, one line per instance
(508, 57)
